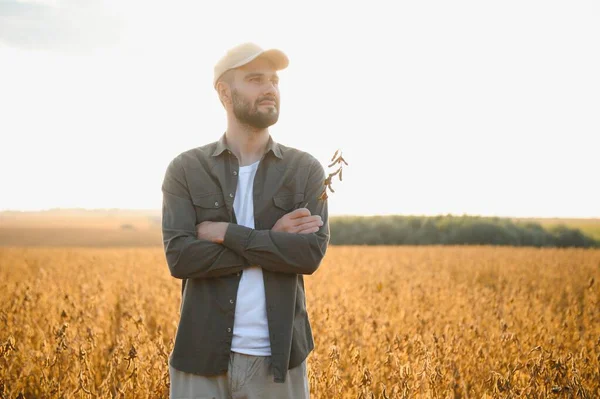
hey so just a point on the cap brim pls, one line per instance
(277, 57)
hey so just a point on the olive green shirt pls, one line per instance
(200, 185)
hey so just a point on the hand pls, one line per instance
(212, 231)
(299, 221)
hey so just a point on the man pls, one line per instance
(241, 225)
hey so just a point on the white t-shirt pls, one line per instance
(250, 327)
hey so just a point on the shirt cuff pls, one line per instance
(236, 237)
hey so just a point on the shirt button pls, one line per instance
(231, 195)
(231, 301)
(216, 203)
(235, 172)
(229, 330)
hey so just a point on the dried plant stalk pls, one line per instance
(337, 159)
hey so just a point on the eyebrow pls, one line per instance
(258, 74)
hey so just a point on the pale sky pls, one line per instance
(476, 107)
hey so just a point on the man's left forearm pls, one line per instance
(279, 251)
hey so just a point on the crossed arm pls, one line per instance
(296, 244)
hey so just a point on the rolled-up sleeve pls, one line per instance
(186, 255)
(286, 252)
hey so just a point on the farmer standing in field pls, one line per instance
(241, 225)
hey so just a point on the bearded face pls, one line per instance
(259, 114)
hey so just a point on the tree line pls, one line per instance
(452, 230)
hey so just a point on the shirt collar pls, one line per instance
(272, 145)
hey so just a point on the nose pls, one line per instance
(270, 89)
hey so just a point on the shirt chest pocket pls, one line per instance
(282, 204)
(289, 202)
(210, 207)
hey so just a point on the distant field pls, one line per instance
(79, 237)
(81, 228)
(75, 218)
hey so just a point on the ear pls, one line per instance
(224, 92)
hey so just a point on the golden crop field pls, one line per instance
(388, 322)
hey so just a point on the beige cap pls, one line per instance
(243, 54)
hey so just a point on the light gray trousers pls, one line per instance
(247, 377)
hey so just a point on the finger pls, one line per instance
(303, 223)
(299, 213)
(308, 219)
(309, 231)
(307, 226)
(301, 226)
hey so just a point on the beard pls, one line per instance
(250, 115)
